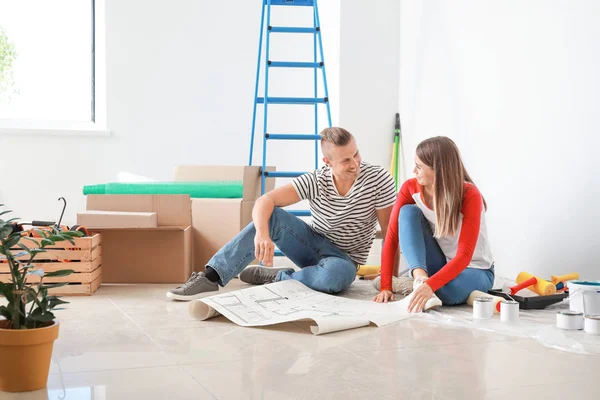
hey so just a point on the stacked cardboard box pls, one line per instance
(163, 238)
(216, 221)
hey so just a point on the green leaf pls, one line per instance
(55, 302)
(33, 240)
(12, 240)
(72, 233)
(47, 242)
(41, 233)
(45, 317)
(5, 212)
(60, 238)
(6, 290)
(27, 249)
(38, 271)
(2, 251)
(5, 313)
(62, 272)
(5, 231)
(35, 252)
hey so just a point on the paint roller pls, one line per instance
(364, 270)
(541, 287)
(561, 279)
(477, 293)
(520, 286)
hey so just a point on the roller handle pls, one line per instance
(42, 223)
(529, 282)
(563, 278)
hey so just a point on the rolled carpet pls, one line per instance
(206, 190)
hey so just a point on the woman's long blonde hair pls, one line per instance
(442, 155)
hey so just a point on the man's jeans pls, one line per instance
(324, 267)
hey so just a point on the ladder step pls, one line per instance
(276, 136)
(292, 100)
(309, 3)
(283, 174)
(290, 29)
(300, 213)
(286, 64)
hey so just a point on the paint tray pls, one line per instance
(531, 303)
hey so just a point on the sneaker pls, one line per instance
(258, 275)
(434, 301)
(194, 288)
(402, 285)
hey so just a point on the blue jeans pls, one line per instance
(324, 267)
(421, 250)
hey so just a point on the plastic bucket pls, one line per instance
(584, 291)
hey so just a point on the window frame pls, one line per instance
(97, 125)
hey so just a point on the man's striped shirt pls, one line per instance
(350, 221)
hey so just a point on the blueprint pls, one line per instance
(290, 300)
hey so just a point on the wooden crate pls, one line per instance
(85, 258)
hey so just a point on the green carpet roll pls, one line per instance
(207, 190)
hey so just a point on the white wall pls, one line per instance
(369, 63)
(516, 85)
(180, 85)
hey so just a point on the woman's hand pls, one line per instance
(384, 296)
(420, 297)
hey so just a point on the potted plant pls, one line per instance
(28, 327)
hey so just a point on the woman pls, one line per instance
(440, 216)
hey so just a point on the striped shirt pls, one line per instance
(350, 221)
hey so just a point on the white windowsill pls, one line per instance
(51, 128)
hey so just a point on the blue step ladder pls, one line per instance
(266, 100)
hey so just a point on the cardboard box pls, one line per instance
(215, 222)
(117, 219)
(249, 175)
(146, 255)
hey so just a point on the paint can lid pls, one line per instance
(509, 302)
(483, 298)
(569, 313)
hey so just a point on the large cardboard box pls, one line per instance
(216, 221)
(147, 255)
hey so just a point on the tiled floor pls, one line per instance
(129, 342)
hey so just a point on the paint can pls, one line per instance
(592, 324)
(584, 296)
(509, 311)
(483, 308)
(569, 320)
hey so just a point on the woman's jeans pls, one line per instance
(421, 250)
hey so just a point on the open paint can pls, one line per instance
(592, 324)
(509, 311)
(483, 308)
(569, 320)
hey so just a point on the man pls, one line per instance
(347, 197)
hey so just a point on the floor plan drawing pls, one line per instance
(290, 300)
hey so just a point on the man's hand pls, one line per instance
(264, 248)
(420, 297)
(384, 296)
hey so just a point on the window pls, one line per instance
(48, 63)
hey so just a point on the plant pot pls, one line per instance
(26, 356)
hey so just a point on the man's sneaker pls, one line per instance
(194, 288)
(402, 285)
(257, 275)
(434, 301)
